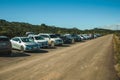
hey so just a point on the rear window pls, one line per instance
(4, 39)
(26, 40)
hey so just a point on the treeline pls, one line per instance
(12, 29)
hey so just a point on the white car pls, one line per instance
(86, 36)
(39, 39)
(24, 44)
(52, 39)
(82, 38)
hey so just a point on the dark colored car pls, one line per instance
(76, 37)
(5, 45)
(67, 39)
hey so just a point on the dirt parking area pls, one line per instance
(89, 60)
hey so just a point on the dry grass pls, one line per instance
(116, 41)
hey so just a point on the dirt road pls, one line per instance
(90, 60)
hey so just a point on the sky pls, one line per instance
(82, 14)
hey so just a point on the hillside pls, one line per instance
(12, 29)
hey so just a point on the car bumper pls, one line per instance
(42, 45)
(32, 49)
(58, 43)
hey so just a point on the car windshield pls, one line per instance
(68, 36)
(45, 36)
(39, 38)
(53, 36)
(74, 35)
(26, 40)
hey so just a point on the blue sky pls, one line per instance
(83, 14)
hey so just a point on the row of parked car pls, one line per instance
(33, 42)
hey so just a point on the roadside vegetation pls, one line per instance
(12, 29)
(116, 40)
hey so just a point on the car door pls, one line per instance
(16, 43)
(32, 39)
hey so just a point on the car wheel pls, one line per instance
(73, 41)
(8, 53)
(52, 44)
(61, 44)
(22, 49)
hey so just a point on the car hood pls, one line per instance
(56, 39)
(41, 41)
(46, 39)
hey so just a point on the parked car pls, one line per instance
(67, 39)
(82, 38)
(97, 35)
(29, 33)
(76, 37)
(39, 39)
(52, 39)
(24, 44)
(5, 45)
(86, 36)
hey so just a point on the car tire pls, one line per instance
(22, 49)
(60, 44)
(52, 44)
(8, 53)
(73, 41)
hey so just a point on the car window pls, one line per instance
(31, 38)
(39, 38)
(26, 40)
(16, 39)
(68, 36)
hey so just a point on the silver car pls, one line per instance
(24, 44)
(5, 45)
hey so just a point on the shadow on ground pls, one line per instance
(51, 48)
(83, 41)
(64, 45)
(15, 54)
(19, 54)
(38, 52)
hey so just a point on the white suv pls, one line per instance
(52, 39)
(39, 39)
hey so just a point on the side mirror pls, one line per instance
(19, 41)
